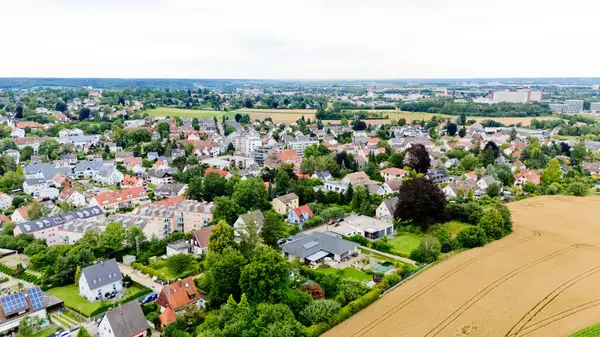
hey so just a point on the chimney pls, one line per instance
(179, 282)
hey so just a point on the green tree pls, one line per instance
(77, 273)
(266, 277)
(451, 128)
(250, 238)
(50, 148)
(36, 211)
(360, 196)
(321, 311)
(250, 194)
(29, 325)
(82, 332)
(494, 189)
(214, 186)
(578, 189)
(492, 224)
(418, 159)
(226, 209)
(470, 162)
(221, 237)
(428, 251)
(273, 229)
(112, 238)
(578, 153)
(552, 173)
(471, 237)
(164, 129)
(178, 263)
(282, 181)
(462, 132)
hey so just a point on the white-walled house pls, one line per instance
(5, 201)
(100, 280)
(387, 208)
(127, 320)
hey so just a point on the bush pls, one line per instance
(470, 212)
(428, 250)
(358, 239)
(471, 237)
(321, 311)
(578, 189)
(350, 290)
(492, 224)
(391, 280)
(382, 245)
(312, 222)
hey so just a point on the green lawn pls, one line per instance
(455, 226)
(175, 112)
(405, 243)
(348, 272)
(70, 296)
(376, 255)
(592, 331)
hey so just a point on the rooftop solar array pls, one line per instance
(13, 302)
(36, 297)
(310, 244)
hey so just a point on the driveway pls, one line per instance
(140, 278)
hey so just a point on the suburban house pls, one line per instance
(323, 175)
(108, 175)
(393, 173)
(299, 214)
(370, 228)
(34, 186)
(335, 186)
(132, 181)
(175, 297)
(114, 200)
(200, 238)
(316, 246)
(134, 164)
(389, 187)
(158, 177)
(87, 169)
(17, 304)
(126, 320)
(100, 280)
(462, 188)
(285, 203)
(170, 190)
(527, 176)
(20, 214)
(359, 178)
(485, 182)
(222, 173)
(72, 196)
(387, 208)
(437, 176)
(244, 219)
(5, 201)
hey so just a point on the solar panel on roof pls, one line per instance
(310, 244)
(36, 297)
(13, 302)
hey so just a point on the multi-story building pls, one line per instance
(100, 280)
(517, 96)
(177, 214)
(300, 145)
(574, 106)
(48, 228)
(595, 107)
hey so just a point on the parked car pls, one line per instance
(149, 298)
(331, 222)
(340, 220)
(63, 334)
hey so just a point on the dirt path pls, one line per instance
(542, 280)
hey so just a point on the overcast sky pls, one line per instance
(300, 39)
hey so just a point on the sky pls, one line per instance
(308, 39)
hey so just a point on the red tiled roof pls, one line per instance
(167, 317)
(178, 294)
(210, 170)
(33, 125)
(394, 171)
(287, 155)
(302, 209)
(168, 201)
(131, 181)
(120, 196)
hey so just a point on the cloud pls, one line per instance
(299, 39)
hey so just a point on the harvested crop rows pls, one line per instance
(542, 280)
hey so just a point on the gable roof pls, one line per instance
(178, 294)
(102, 273)
(302, 209)
(394, 184)
(112, 197)
(257, 216)
(127, 320)
(202, 236)
(391, 204)
(210, 170)
(394, 171)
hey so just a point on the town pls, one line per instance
(177, 212)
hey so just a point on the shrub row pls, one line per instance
(20, 274)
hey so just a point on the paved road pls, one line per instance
(138, 277)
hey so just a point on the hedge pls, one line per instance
(22, 276)
(347, 311)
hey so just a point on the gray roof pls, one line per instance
(391, 204)
(287, 198)
(37, 181)
(92, 165)
(48, 170)
(169, 188)
(106, 171)
(60, 219)
(257, 216)
(102, 273)
(127, 320)
(304, 245)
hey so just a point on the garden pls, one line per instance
(175, 267)
(70, 296)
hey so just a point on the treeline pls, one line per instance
(447, 106)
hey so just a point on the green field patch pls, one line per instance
(347, 272)
(592, 331)
(454, 227)
(176, 112)
(405, 243)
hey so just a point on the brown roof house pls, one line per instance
(175, 297)
(200, 240)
